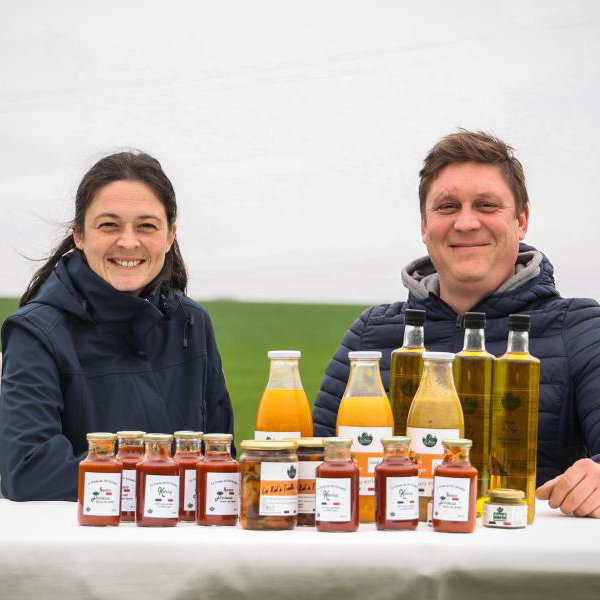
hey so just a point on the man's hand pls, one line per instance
(576, 491)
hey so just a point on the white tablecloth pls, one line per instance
(44, 554)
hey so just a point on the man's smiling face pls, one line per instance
(470, 228)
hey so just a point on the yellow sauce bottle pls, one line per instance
(284, 411)
(435, 415)
(406, 368)
(365, 416)
(473, 369)
(515, 403)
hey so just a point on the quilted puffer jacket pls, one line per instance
(565, 336)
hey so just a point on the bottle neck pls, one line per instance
(438, 373)
(284, 374)
(191, 446)
(334, 454)
(364, 379)
(414, 336)
(474, 340)
(457, 455)
(518, 341)
(101, 448)
(132, 445)
(157, 450)
(217, 450)
(399, 452)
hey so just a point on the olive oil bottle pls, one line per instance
(515, 402)
(473, 369)
(406, 365)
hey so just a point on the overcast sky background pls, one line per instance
(293, 132)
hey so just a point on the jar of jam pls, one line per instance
(218, 482)
(269, 484)
(187, 454)
(99, 493)
(506, 509)
(130, 452)
(310, 456)
(157, 483)
(396, 486)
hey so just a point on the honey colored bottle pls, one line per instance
(435, 415)
(284, 411)
(365, 416)
(473, 368)
(406, 368)
(515, 402)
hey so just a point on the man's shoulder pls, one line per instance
(382, 314)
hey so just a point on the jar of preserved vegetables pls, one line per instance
(310, 456)
(269, 484)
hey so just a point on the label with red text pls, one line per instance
(128, 491)
(189, 490)
(222, 493)
(451, 498)
(306, 486)
(102, 494)
(333, 499)
(161, 500)
(401, 498)
(278, 489)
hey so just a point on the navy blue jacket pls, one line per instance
(565, 336)
(82, 357)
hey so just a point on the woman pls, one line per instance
(105, 338)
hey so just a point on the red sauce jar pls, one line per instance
(218, 482)
(336, 490)
(157, 483)
(130, 452)
(396, 486)
(187, 454)
(455, 489)
(99, 485)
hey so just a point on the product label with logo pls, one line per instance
(333, 499)
(451, 498)
(427, 443)
(278, 489)
(367, 451)
(306, 486)
(162, 496)
(275, 435)
(128, 491)
(510, 516)
(401, 498)
(222, 493)
(189, 490)
(102, 494)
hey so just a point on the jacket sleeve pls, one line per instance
(36, 459)
(336, 377)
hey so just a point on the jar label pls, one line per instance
(510, 516)
(428, 444)
(162, 496)
(278, 489)
(333, 498)
(451, 498)
(189, 490)
(128, 491)
(275, 435)
(367, 451)
(401, 498)
(102, 494)
(306, 486)
(222, 493)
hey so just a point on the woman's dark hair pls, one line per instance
(122, 166)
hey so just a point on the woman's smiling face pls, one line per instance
(126, 235)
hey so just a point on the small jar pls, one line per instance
(130, 452)
(187, 454)
(269, 484)
(505, 509)
(310, 456)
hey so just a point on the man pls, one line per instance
(474, 214)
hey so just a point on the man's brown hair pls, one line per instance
(474, 146)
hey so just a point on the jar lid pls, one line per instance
(130, 435)
(519, 322)
(474, 320)
(268, 445)
(396, 440)
(364, 355)
(308, 442)
(100, 436)
(414, 317)
(507, 494)
(217, 437)
(337, 442)
(284, 354)
(459, 442)
(438, 356)
(158, 437)
(187, 435)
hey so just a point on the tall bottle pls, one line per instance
(365, 416)
(284, 411)
(435, 415)
(515, 402)
(406, 368)
(473, 369)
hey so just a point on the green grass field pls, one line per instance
(247, 330)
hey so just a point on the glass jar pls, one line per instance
(310, 456)
(506, 509)
(187, 454)
(269, 484)
(99, 493)
(130, 452)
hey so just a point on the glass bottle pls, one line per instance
(365, 416)
(99, 484)
(218, 482)
(337, 485)
(130, 452)
(515, 402)
(455, 489)
(435, 414)
(157, 483)
(473, 368)
(406, 368)
(396, 486)
(284, 411)
(187, 454)
(310, 456)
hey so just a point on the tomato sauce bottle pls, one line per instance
(130, 452)
(157, 483)
(218, 482)
(187, 454)
(396, 486)
(99, 493)
(455, 489)
(336, 492)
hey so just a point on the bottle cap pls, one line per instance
(268, 445)
(130, 435)
(364, 355)
(308, 442)
(396, 440)
(474, 320)
(519, 322)
(284, 354)
(459, 442)
(158, 437)
(217, 437)
(337, 442)
(99, 436)
(506, 494)
(415, 317)
(447, 356)
(187, 435)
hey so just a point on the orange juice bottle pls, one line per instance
(284, 411)
(365, 416)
